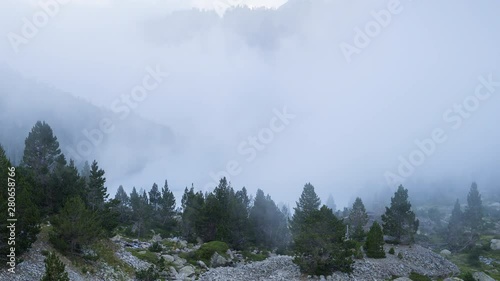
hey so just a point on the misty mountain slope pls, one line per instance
(24, 101)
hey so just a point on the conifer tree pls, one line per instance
(474, 210)
(268, 223)
(28, 227)
(41, 154)
(399, 220)
(167, 207)
(75, 226)
(192, 208)
(66, 183)
(124, 208)
(308, 202)
(330, 203)
(358, 218)
(319, 243)
(154, 197)
(97, 193)
(374, 245)
(455, 234)
(54, 269)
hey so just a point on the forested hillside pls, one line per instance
(73, 208)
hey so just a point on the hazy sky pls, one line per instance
(353, 118)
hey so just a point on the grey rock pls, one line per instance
(202, 265)
(168, 258)
(495, 244)
(445, 252)
(217, 260)
(179, 262)
(481, 276)
(187, 271)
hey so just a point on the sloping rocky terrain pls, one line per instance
(414, 259)
(275, 268)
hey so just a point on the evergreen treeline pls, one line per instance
(49, 188)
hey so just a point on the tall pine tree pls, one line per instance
(358, 218)
(399, 220)
(374, 245)
(41, 154)
(97, 193)
(455, 234)
(474, 210)
(308, 202)
(167, 208)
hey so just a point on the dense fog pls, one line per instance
(354, 97)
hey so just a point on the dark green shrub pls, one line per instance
(147, 256)
(419, 277)
(400, 256)
(254, 257)
(150, 274)
(374, 245)
(467, 276)
(391, 251)
(155, 247)
(473, 257)
(207, 250)
(54, 269)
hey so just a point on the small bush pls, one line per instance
(400, 256)
(356, 248)
(155, 247)
(467, 276)
(254, 257)
(147, 257)
(207, 250)
(150, 274)
(419, 277)
(45, 253)
(392, 251)
(374, 245)
(473, 257)
(54, 269)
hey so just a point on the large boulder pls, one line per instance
(445, 252)
(481, 276)
(202, 265)
(495, 244)
(187, 271)
(179, 262)
(168, 258)
(402, 279)
(218, 260)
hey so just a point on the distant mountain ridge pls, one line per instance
(24, 101)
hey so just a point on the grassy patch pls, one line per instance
(463, 261)
(207, 250)
(254, 257)
(147, 256)
(106, 250)
(419, 277)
